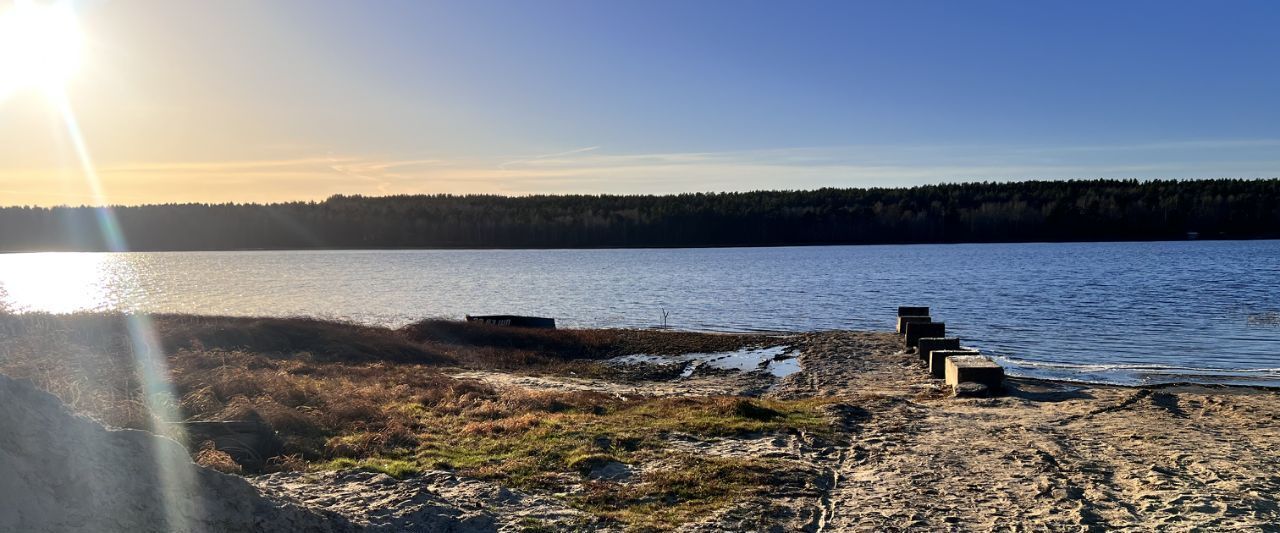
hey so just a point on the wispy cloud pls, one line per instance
(593, 170)
(227, 166)
(548, 156)
(358, 169)
(890, 165)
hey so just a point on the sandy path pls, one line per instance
(1047, 457)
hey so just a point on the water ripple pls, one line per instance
(1211, 307)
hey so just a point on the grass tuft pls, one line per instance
(217, 460)
(348, 396)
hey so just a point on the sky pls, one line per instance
(250, 101)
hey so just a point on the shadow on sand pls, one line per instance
(1044, 391)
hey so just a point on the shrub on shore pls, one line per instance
(486, 345)
(343, 395)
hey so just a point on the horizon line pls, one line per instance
(639, 195)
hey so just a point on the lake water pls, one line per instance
(1109, 312)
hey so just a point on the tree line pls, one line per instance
(1077, 210)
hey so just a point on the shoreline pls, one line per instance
(1182, 386)
(450, 415)
(726, 333)
(638, 247)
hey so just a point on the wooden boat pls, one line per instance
(515, 321)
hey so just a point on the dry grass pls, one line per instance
(343, 395)
(218, 460)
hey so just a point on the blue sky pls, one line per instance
(240, 100)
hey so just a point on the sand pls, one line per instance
(906, 457)
(708, 382)
(1047, 456)
(433, 502)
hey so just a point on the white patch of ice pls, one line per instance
(745, 360)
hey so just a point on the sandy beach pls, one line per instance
(1048, 456)
(452, 427)
(1044, 456)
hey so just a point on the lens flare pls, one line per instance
(40, 48)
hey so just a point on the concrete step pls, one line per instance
(938, 360)
(929, 344)
(904, 320)
(974, 369)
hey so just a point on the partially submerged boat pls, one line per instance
(515, 321)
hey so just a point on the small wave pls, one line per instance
(1263, 319)
(1139, 374)
(1121, 366)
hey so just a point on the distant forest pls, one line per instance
(1094, 210)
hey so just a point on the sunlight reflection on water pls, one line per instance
(1079, 307)
(57, 282)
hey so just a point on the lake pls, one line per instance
(1205, 311)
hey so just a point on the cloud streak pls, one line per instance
(548, 156)
(592, 170)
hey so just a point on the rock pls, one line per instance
(610, 471)
(970, 389)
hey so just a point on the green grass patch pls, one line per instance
(396, 468)
(666, 498)
(352, 396)
(535, 451)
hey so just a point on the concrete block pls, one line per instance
(929, 344)
(906, 310)
(904, 320)
(938, 360)
(919, 330)
(974, 369)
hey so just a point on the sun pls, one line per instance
(40, 45)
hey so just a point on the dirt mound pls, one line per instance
(61, 472)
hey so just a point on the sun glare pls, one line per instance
(55, 282)
(40, 45)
